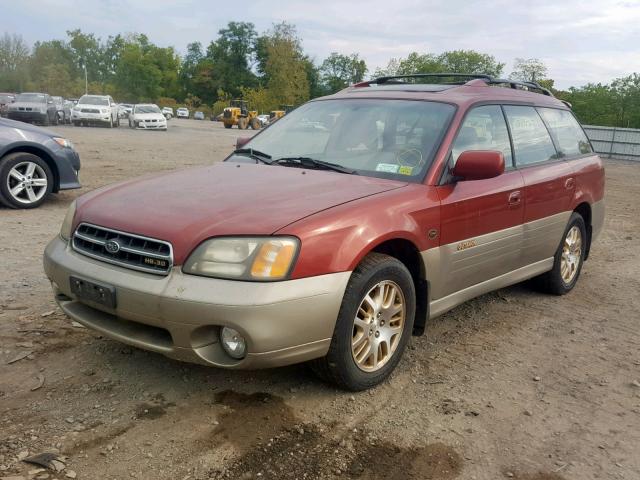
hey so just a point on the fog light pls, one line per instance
(233, 343)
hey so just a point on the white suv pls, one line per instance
(182, 112)
(95, 109)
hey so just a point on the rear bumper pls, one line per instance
(180, 315)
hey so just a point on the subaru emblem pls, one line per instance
(112, 246)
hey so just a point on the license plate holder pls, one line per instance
(98, 293)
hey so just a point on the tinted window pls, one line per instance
(531, 140)
(379, 138)
(93, 100)
(568, 134)
(483, 128)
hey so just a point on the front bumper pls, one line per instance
(151, 125)
(180, 315)
(30, 117)
(91, 117)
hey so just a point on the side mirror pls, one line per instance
(479, 165)
(242, 141)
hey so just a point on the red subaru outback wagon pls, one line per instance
(339, 231)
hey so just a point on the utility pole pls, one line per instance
(86, 83)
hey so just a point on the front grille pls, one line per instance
(226, 114)
(131, 251)
(90, 110)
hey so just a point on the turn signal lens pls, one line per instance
(274, 259)
(67, 223)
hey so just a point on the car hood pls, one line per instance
(189, 206)
(149, 116)
(5, 122)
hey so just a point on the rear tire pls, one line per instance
(568, 259)
(255, 124)
(376, 275)
(227, 125)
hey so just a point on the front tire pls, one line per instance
(568, 259)
(25, 180)
(373, 326)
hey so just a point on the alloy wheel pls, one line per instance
(27, 182)
(378, 326)
(571, 254)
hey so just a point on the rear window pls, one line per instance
(531, 141)
(566, 130)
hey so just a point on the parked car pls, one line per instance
(33, 108)
(63, 109)
(148, 117)
(182, 112)
(124, 110)
(96, 110)
(198, 116)
(34, 162)
(264, 120)
(339, 231)
(5, 100)
(167, 112)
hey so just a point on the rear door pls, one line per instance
(549, 183)
(481, 227)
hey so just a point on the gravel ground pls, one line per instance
(514, 384)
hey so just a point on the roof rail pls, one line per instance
(517, 83)
(464, 78)
(395, 79)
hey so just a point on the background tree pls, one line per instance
(528, 70)
(339, 71)
(14, 58)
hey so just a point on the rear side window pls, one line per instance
(531, 141)
(483, 128)
(567, 133)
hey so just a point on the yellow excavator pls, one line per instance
(238, 113)
(276, 114)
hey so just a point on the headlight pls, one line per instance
(67, 224)
(63, 142)
(43, 109)
(104, 110)
(244, 258)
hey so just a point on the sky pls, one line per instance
(580, 41)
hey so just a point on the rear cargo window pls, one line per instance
(484, 128)
(531, 140)
(567, 133)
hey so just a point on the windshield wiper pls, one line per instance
(308, 162)
(255, 154)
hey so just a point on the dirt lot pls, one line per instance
(514, 384)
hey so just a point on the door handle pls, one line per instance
(515, 198)
(569, 183)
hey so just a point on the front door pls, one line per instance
(481, 226)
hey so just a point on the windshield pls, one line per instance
(381, 138)
(147, 109)
(93, 100)
(31, 98)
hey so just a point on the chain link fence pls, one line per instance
(613, 142)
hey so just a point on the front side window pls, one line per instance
(483, 128)
(381, 138)
(566, 130)
(531, 141)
